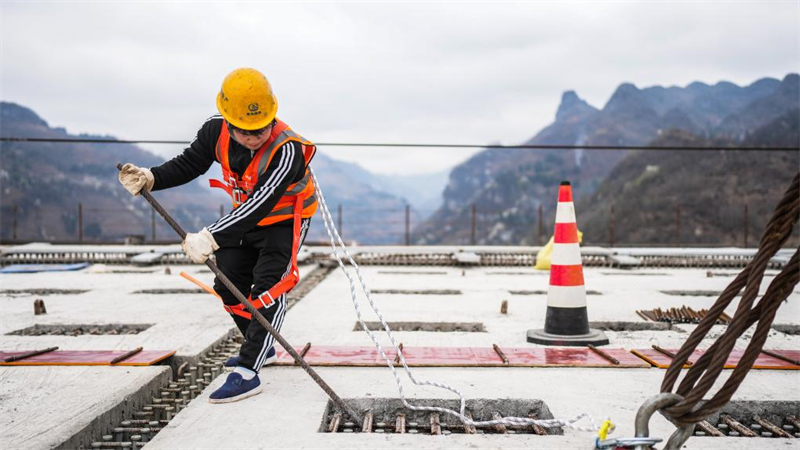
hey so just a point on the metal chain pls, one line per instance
(512, 421)
(709, 366)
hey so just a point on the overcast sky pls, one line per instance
(453, 72)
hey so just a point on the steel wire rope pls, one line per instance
(420, 145)
(710, 365)
(518, 421)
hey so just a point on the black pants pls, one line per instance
(261, 260)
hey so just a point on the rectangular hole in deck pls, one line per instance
(766, 419)
(127, 271)
(644, 274)
(417, 291)
(695, 293)
(406, 272)
(78, 330)
(518, 273)
(441, 327)
(541, 292)
(682, 314)
(633, 326)
(42, 291)
(389, 416)
(792, 330)
(169, 291)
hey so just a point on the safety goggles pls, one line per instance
(257, 132)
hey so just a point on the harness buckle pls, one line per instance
(238, 194)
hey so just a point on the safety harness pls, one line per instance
(297, 203)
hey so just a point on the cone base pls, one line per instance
(594, 337)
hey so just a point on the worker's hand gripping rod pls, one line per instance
(253, 311)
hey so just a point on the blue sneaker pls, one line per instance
(233, 361)
(236, 388)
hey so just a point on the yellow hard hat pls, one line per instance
(246, 100)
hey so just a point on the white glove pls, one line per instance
(134, 179)
(199, 246)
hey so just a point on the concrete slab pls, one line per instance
(187, 323)
(289, 411)
(43, 407)
(326, 315)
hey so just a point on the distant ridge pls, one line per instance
(48, 180)
(508, 185)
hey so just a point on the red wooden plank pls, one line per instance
(320, 355)
(88, 358)
(451, 356)
(654, 357)
(762, 362)
(464, 357)
(569, 356)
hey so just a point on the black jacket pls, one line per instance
(287, 167)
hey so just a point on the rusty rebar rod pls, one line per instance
(30, 354)
(500, 428)
(781, 357)
(397, 356)
(367, 427)
(126, 355)
(400, 424)
(436, 428)
(253, 311)
(335, 422)
(605, 355)
(709, 429)
(469, 429)
(500, 353)
(668, 353)
(537, 429)
(304, 351)
(777, 431)
(737, 427)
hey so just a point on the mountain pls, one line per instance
(423, 192)
(711, 188)
(48, 180)
(762, 110)
(507, 186)
(369, 216)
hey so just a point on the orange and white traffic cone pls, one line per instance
(567, 320)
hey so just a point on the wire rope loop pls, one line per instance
(658, 403)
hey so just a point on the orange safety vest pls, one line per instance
(241, 187)
(298, 202)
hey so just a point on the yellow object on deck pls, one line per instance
(544, 255)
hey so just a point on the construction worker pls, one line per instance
(265, 170)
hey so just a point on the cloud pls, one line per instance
(375, 72)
